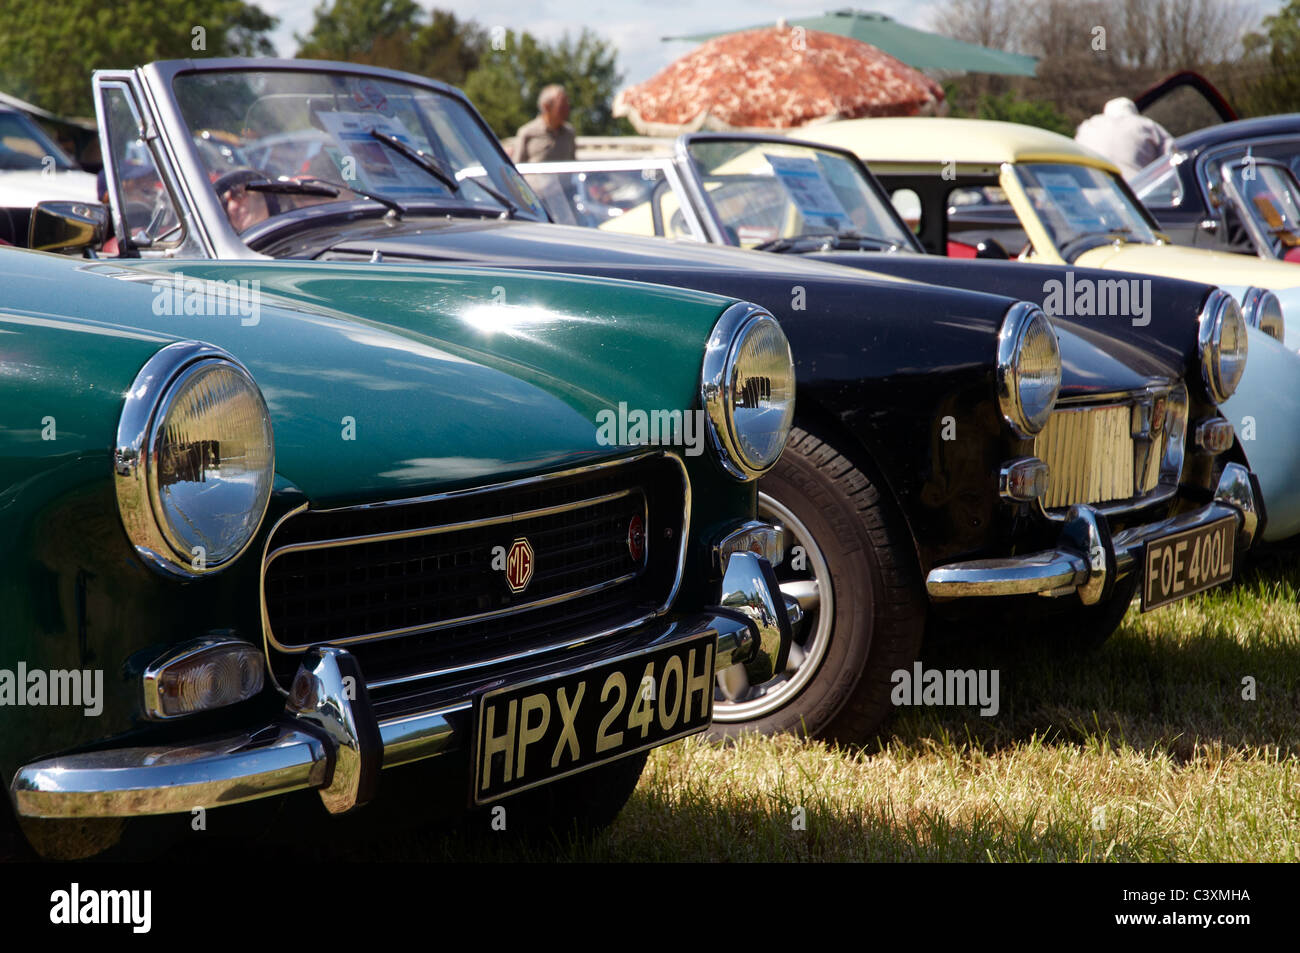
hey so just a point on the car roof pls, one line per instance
(1239, 129)
(931, 139)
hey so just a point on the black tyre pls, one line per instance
(849, 562)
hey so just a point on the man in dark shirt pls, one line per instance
(549, 136)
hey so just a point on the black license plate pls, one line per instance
(1183, 563)
(533, 732)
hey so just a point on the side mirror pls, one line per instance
(67, 227)
(991, 248)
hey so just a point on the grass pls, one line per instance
(1143, 751)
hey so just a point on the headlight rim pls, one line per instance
(1011, 336)
(715, 378)
(1254, 303)
(135, 456)
(1209, 343)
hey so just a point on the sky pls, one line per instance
(634, 26)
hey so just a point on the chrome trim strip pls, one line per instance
(460, 620)
(571, 643)
(506, 485)
(444, 528)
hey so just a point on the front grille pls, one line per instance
(422, 586)
(1093, 456)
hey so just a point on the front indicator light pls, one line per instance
(202, 676)
(1214, 435)
(1023, 480)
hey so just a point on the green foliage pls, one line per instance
(1277, 90)
(505, 85)
(48, 49)
(1008, 107)
(396, 34)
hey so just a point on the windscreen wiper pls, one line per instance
(314, 185)
(431, 166)
(827, 242)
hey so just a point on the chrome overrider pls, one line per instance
(1087, 559)
(329, 738)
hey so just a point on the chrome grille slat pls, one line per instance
(1093, 457)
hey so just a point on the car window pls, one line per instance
(23, 145)
(147, 206)
(1159, 186)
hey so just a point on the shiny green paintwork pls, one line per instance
(455, 378)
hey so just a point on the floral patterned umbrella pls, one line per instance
(776, 78)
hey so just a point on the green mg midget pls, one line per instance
(255, 545)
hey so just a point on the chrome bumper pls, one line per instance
(1087, 559)
(328, 737)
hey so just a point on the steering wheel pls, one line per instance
(229, 180)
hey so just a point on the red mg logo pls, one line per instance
(519, 565)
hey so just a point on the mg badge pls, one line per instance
(636, 539)
(519, 565)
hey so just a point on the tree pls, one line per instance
(397, 34)
(505, 85)
(48, 49)
(1277, 88)
(1007, 107)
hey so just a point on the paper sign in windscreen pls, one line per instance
(809, 191)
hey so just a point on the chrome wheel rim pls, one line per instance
(735, 700)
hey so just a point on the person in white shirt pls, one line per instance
(1124, 136)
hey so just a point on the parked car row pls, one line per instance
(339, 452)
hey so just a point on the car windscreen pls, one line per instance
(765, 191)
(345, 130)
(1077, 202)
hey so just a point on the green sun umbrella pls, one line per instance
(916, 48)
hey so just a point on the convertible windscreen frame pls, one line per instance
(209, 232)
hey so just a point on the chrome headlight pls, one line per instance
(195, 459)
(1262, 309)
(1029, 368)
(747, 390)
(1222, 344)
